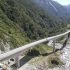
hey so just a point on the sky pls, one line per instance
(63, 2)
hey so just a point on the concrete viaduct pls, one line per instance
(19, 51)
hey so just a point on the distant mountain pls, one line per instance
(67, 6)
(55, 8)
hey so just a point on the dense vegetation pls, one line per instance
(46, 20)
(41, 49)
(54, 60)
(22, 21)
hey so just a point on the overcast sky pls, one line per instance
(63, 2)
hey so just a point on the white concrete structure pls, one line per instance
(0, 51)
(19, 51)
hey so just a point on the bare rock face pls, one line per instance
(4, 46)
(3, 67)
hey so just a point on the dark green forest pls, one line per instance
(23, 21)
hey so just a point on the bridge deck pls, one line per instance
(18, 51)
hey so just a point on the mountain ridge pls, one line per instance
(50, 5)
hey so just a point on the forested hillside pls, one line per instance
(22, 21)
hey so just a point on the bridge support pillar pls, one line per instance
(17, 61)
(69, 35)
(54, 45)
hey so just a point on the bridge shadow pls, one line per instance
(31, 54)
(25, 59)
(64, 44)
(46, 54)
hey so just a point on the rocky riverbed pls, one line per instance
(65, 57)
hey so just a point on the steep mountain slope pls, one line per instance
(10, 33)
(42, 17)
(22, 21)
(53, 7)
(16, 14)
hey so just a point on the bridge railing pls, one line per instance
(19, 51)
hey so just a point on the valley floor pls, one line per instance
(40, 63)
